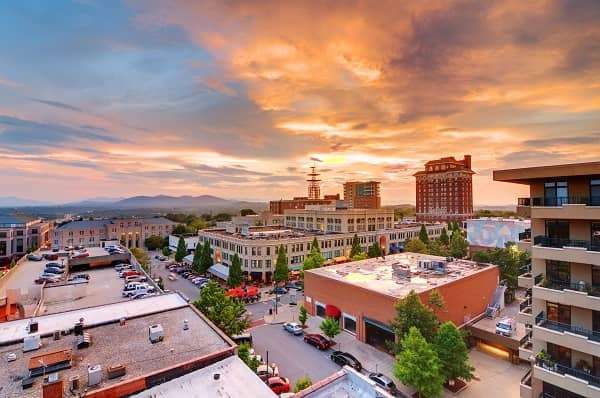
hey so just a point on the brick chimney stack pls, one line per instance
(467, 161)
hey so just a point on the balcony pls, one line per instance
(571, 336)
(524, 207)
(525, 315)
(526, 347)
(569, 250)
(566, 377)
(565, 207)
(525, 278)
(525, 386)
(579, 294)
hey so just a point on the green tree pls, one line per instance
(206, 260)
(510, 260)
(436, 248)
(423, 236)
(235, 277)
(411, 312)
(247, 212)
(330, 327)
(356, 248)
(415, 246)
(165, 251)
(181, 250)
(282, 271)
(314, 259)
(181, 229)
(302, 384)
(444, 239)
(315, 247)
(458, 245)
(250, 360)
(142, 257)
(374, 250)
(302, 316)
(359, 256)
(226, 313)
(196, 262)
(418, 365)
(154, 242)
(436, 300)
(452, 352)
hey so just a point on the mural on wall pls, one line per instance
(495, 233)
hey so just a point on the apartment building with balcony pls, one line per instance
(562, 309)
(20, 233)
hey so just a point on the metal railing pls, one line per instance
(525, 304)
(546, 241)
(526, 269)
(526, 380)
(525, 342)
(538, 278)
(580, 286)
(557, 201)
(526, 235)
(545, 323)
(567, 370)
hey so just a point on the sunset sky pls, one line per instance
(238, 99)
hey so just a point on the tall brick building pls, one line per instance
(362, 195)
(445, 190)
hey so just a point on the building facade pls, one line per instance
(444, 190)
(362, 194)
(330, 219)
(280, 206)
(18, 234)
(257, 246)
(130, 232)
(562, 308)
(493, 232)
(363, 294)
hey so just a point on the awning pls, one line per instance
(332, 311)
(220, 271)
(379, 324)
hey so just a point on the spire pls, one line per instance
(314, 189)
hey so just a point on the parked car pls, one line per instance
(317, 340)
(126, 273)
(53, 270)
(47, 278)
(55, 265)
(50, 256)
(141, 288)
(506, 327)
(80, 276)
(138, 296)
(163, 258)
(293, 328)
(34, 257)
(80, 255)
(279, 385)
(51, 277)
(279, 290)
(171, 277)
(384, 382)
(343, 358)
(135, 278)
(242, 338)
(121, 267)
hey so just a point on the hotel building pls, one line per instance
(562, 309)
(444, 190)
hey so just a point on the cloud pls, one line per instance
(58, 104)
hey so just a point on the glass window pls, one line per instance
(558, 271)
(595, 192)
(556, 230)
(556, 193)
(350, 324)
(559, 313)
(320, 310)
(560, 354)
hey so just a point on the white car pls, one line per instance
(293, 328)
(506, 327)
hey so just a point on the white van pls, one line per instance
(506, 327)
(142, 288)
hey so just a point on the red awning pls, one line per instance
(332, 311)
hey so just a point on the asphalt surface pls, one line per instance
(294, 357)
(182, 285)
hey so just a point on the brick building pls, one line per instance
(362, 194)
(444, 190)
(20, 233)
(300, 202)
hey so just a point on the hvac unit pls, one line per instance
(156, 333)
(115, 371)
(74, 383)
(33, 327)
(32, 342)
(94, 375)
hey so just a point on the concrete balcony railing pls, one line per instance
(525, 390)
(580, 294)
(567, 335)
(565, 207)
(525, 314)
(568, 250)
(566, 377)
(525, 278)
(526, 347)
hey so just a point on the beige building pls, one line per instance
(20, 233)
(257, 246)
(131, 232)
(562, 309)
(330, 219)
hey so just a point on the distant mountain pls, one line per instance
(95, 202)
(13, 201)
(164, 201)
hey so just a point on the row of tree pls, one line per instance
(453, 245)
(510, 260)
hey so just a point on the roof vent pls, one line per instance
(74, 383)
(122, 321)
(185, 324)
(216, 376)
(56, 335)
(11, 357)
(94, 375)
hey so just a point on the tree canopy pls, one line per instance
(226, 313)
(444, 239)
(510, 260)
(452, 353)
(374, 250)
(411, 312)
(235, 277)
(330, 327)
(181, 250)
(155, 242)
(197, 261)
(356, 248)
(247, 212)
(423, 236)
(314, 259)
(415, 245)
(206, 260)
(459, 246)
(282, 271)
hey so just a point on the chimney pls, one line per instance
(467, 161)
(53, 389)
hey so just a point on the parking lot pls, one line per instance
(182, 285)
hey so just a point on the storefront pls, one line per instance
(379, 335)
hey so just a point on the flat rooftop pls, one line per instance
(235, 380)
(346, 383)
(526, 175)
(115, 344)
(397, 274)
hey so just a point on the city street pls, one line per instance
(181, 285)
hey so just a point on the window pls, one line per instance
(349, 323)
(558, 271)
(556, 193)
(557, 230)
(595, 192)
(559, 313)
(320, 309)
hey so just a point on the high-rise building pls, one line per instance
(362, 194)
(445, 190)
(562, 307)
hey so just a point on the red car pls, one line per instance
(279, 385)
(317, 340)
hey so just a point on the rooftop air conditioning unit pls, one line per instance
(33, 327)
(74, 383)
(156, 333)
(32, 342)
(94, 375)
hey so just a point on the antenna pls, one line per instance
(314, 190)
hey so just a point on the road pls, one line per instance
(182, 285)
(292, 355)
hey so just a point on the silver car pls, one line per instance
(293, 328)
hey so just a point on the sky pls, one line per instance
(239, 98)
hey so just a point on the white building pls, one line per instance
(489, 232)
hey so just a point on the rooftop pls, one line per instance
(235, 380)
(83, 224)
(346, 383)
(15, 219)
(526, 175)
(397, 274)
(116, 344)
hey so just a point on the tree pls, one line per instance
(314, 259)
(444, 239)
(452, 353)
(418, 365)
(436, 300)
(374, 250)
(314, 247)
(247, 212)
(415, 246)
(142, 257)
(330, 327)
(303, 316)
(165, 251)
(410, 312)
(226, 313)
(181, 250)
(436, 248)
(235, 277)
(360, 256)
(206, 260)
(458, 245)
(302, 384)
(509, 259)
(423, 236)
(282, 272)
(356, 248)
(154, 242)
(250, 360)
(196, 262)
(181, 229)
